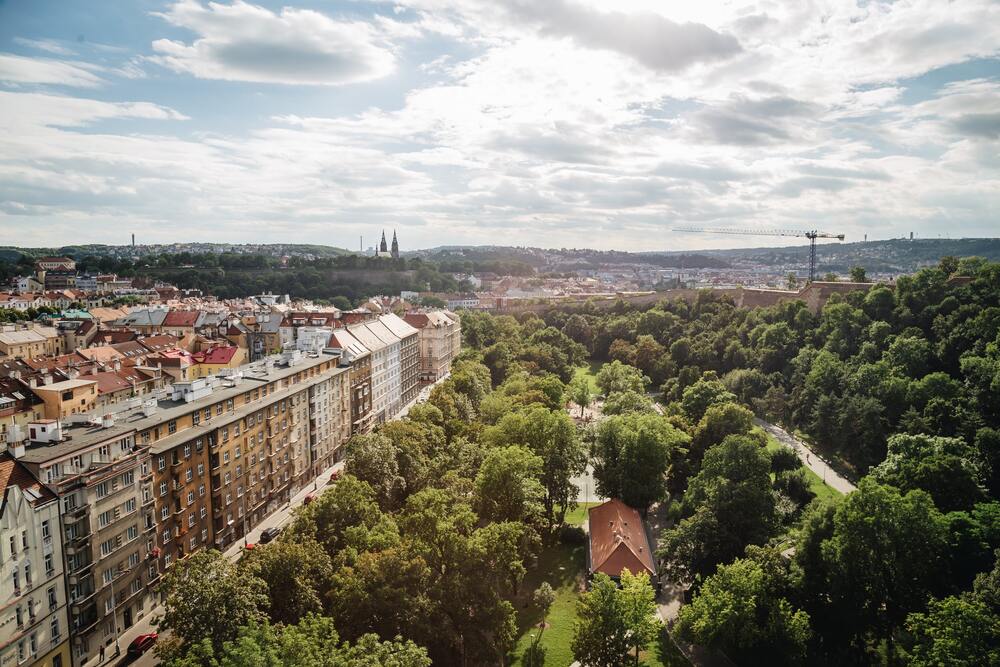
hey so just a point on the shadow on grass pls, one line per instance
(667, 652)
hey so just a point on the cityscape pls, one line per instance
(469, 333)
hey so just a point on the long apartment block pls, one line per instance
(196, 468)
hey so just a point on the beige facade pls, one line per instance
(34, 627)
(440, 340)
(69, 397)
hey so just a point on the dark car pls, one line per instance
(140, 645)
(269, 534)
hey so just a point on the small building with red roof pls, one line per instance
(618, 541)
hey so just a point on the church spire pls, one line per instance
(395, 245)
(382, 246)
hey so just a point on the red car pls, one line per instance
(141, 644)
(309, 498)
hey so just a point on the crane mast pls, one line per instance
(812, 235)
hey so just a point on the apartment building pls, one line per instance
(35, 341)
(18, 404)
(360, 360)
(380, 385)
(66, 398)
(409, 356)
(33, 619)
(393, 377)
(98, 474)
(440, 340)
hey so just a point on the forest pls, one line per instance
(436, 545)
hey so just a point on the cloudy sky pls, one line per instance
(557, 123)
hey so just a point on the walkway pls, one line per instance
(808, 457)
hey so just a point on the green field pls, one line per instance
(563, 566)
(590, 373)
(816, 484)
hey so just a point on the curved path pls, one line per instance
(808, 457)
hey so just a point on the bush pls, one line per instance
(572, 535)
(795, 485)
(783, 459)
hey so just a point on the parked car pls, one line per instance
(140, 645)
(309, 498)
(269, 534)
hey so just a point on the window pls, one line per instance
(204, 534)
(49, 566)
(208, 413)
(204, 512)
(172, 426)
(188, 475)
(165, 539)
(102, 489)
(27, 573)
(190, 520)
(163, 488)
(104, 451)
(129, 505)
(132, 532)
(161, 462)
(46, 531)
(228, 478)
(24, 539)
(225, 434)
(54, 629)
(31, 609)
(238, 451)
(195, 418)
(190, 497)
(53, 600)
(229, 499)
(201, 490)
(33, 643)
(133, 559)
(229, 404)
(201, 470)
(128, 479)
(218, 408)
(164, 512)
(239, 471)
(187, 451)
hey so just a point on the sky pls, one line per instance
(552, 123)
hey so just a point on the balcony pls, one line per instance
(75, 514)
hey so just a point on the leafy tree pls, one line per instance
(208, 597)
(858, 274)
(618, 377)
(876, 533)
(611, 622)
(296, 574)
(579, 392)
(727, 506)
(507, 486)
(543, 597)
(371, 457)
(313, 642)
(624, 402)
(954, 631)
(703, 394)
(631, 457)
(947, 468)
(552, 436)
(743, 609)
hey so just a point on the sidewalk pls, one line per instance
(809, 458)
(234, 552)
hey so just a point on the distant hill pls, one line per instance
(12, 253)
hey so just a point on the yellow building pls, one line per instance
(211, 361)
(66, 398)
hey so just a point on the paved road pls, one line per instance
(808, 457)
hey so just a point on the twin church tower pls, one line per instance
(383, 249)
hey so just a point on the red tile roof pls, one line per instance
(216, 355)
(618, 540)
(13, 474)
(158, 343)
(181, 318)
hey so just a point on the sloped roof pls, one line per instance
(216, 355)
(618, 540)
(182, 318)
(158, 342)
(397, 325)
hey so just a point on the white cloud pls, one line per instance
(244, 42)
(21, 69)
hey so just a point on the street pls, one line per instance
(808, 457)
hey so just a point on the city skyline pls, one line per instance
(459, 122)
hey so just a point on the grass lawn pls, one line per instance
(563, 567)
(590, 373)
(816, 484)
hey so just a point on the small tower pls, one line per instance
(382, 246)
(395, 245)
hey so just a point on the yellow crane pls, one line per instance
(812, 235)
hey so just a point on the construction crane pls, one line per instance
(812, 235)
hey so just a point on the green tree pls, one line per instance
(625, 402)
(208, 597)
(372, 458)
(701, 395)
(543, 597)
(871, 555)
(579, 392)
(858, 274)
(296, 574)
(507, 486)
(743, 609)
(611, 622)
(959, 631)
(617, 377)
(631, 456)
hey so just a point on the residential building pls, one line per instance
(56, 272)
(98, 473)
(215, 359)
(33, 341)
(380, 384)
(18, 405)
(69, 397)
(618, 541)
(440, 340)
(409, 356)
(34, 625)
(360, 360)
(393, 378)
